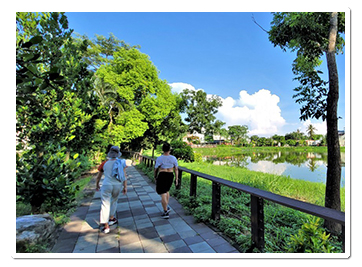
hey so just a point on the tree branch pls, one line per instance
(252, 17)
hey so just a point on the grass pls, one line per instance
(307, 191)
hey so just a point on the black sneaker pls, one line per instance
(168, 210)
(165, 215)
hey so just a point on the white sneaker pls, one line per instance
(106, 230)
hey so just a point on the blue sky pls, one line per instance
(222, 53)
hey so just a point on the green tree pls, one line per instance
(54, 108)
(142, 104)
(311, 131)
(312, 35)
(54, 104)
(101, 49)
(297, 135)
(279, 139)
(238, 133)
(201, 110)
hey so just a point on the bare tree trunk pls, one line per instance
(333, 197)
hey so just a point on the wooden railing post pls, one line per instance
(216, 201)
(193, 185)
(257, 222)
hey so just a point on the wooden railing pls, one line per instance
(257, 201)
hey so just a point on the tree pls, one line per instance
(311, 131)
(142, 103)
(238, 133)
(200, 110)
(54, 109)
(101, 49)
(312, 35)
(297, 135)
(279, 139)
(53, 100)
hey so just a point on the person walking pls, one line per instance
(165, 168)
(111, 186)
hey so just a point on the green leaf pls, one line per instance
(76, 155)
(36, 39)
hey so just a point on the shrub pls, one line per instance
(46, 178)
(182, 151)
(198, 157)
(311, 239)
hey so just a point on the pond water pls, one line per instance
(307, 166)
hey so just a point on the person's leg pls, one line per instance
(106, 193)
(114, 200)
(164, 201)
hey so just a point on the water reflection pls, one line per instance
(298, 165)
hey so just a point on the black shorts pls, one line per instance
(164, 182)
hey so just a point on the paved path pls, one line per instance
(140, 228)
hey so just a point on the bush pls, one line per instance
(311, 239)
(198, 157)
(46, 178)
(182, 151)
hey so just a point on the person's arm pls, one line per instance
(157, 168)
(176, 175)
(99, 176)
(125, 182)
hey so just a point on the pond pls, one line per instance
(307, 166)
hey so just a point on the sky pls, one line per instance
(221, 53)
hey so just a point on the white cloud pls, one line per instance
(259, 111)
(179, 87)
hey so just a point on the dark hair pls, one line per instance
(166, 147)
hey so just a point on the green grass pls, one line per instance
(307, 191)
(298, 189)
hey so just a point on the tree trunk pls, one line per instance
(332, 197)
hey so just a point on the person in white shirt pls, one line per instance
(165, 168)
(111, 188)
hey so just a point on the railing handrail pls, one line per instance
(323, 212)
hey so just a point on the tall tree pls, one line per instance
(142, 100)
(312, 35)
(311, 131)
(54, 109)
(54, 104)
(238, 133)
(201, 110)
(101, 49)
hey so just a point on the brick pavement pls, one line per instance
(140, 227)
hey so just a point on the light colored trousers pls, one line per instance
(109, 197)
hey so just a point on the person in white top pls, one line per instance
(165, 168)
(111, 188)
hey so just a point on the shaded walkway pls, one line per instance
(140, 228)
